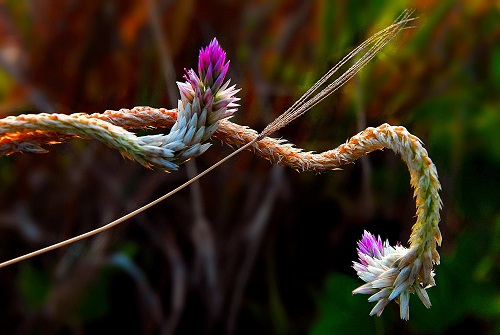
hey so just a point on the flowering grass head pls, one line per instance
(390, 273)
(212, 66)
(380, 266)
(204, 102)
(216, 99)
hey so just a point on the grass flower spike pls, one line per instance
(204, 94)
(390, 273)
(205, 101)
(379, 266)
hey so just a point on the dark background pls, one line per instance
(253, 248)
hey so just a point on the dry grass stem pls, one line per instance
(205, 105)
(374, 44)
(398, 139)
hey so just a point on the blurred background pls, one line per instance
(252, 248)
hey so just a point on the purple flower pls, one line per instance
(212, 66)
(215, 97)
(369, 245)
(390, 273)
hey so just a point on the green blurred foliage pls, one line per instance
(339, 312)
(467, 290)
(463, 279)
(34, 286)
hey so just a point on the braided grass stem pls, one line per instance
(424, 178)
(390, 273)
(401, 272)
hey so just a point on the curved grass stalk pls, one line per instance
(390, 273)
(82, 126)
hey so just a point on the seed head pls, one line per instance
(390, 273)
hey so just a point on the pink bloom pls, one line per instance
(390, 273)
